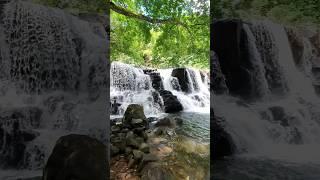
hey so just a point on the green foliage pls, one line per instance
(161, 45)
(297, 12)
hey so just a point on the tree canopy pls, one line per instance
(157, 33)
(160, 33)
(295, 12)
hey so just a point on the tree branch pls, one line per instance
(142, 17)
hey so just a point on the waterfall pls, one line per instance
(285, 118)
(131, 84)
(199, 98)
(52, 82)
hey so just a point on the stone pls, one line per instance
(115, 129)
(134, 141)
(182, 75)
(77, 157)
(171, 102)
(159, 131)
(131, 162)
(144, 147)
(128, 150)
(166, 122)
(114, 150)
(137, 155)
(135, 123)
(149, 158)
(134, 111)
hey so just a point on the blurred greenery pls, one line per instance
(292, 12)
(159, 45)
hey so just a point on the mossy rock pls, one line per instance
(134, 111)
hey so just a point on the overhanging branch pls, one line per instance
(142, 17)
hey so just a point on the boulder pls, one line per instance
(114, 150)
(128, 150)
(77, 157)
(144, 147)
(171, 102)
(134, 111)
(134, 141)
(137, 155)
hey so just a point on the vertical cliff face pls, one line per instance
(53, 80)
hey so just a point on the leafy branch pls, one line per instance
(142, 17)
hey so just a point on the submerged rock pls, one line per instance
(77, 157)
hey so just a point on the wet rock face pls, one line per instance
(218, 84)
(223, 144)
(15, 132)
(170, 101)
(77, 157)
(182, 75)
(155, 78)
(229, 43)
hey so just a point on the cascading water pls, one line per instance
(52, 83)
(131, 85)
(274, 125)
(198, 100)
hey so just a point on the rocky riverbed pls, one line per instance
(155, 148)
